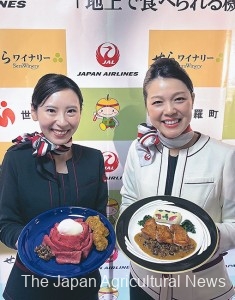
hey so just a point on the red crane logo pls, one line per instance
(107, 54)
(111, 161)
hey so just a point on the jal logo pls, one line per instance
(111, 161)
(147, 156)
(6, 114)
(107, 55)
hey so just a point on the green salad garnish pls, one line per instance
(188, 226)
(145, 218)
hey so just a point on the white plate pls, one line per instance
(149, 209)
(206, 234)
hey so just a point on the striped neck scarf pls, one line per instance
(41, 144)
(148, 137)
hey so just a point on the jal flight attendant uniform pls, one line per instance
(210, 185)
(30, 186)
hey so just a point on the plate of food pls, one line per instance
(66, 242)
(167, 234)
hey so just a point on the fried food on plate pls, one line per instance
(180, 236)
(100, 241)
(163, 234)
(100, 232)
(95, 224)
(150, 228)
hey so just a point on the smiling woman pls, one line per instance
(57, 119)
(42, 171)
(169, 105)
(169, 158)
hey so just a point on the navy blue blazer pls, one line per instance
(30, 186)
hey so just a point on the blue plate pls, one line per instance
(32, 236)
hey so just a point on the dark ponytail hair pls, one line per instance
(50, 84)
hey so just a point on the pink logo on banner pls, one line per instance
(6, 115)
(107, 55)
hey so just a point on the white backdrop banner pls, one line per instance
(106, 47)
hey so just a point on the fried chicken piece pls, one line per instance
(149, 228)
(163, 234)
(100, 241)
(95, 224)
(93, 221)
(100, 232)
(150, 222)
(180, 236)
